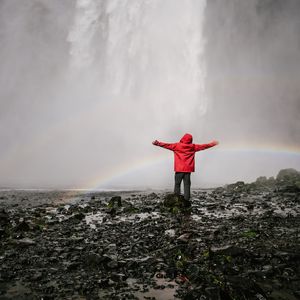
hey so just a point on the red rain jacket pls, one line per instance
(184, 152)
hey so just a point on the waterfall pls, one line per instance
(147, 53)
(81, 35)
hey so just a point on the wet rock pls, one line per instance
(112, 264)
(175, 202)
(37, 276)
(16, 290)
(23, 226)
(79, 216)
(152, 196)
(282, 295)
(184, 237)
(2, 232)
(25, 242)
(170, 232)
(250, 206)
(117, 277)
(288, 175)
(115, 202)
(93, 260)
(212, 206)
(193, 271)
(144, 248)
(4, 218)
(130, 208)
(213, 293)
(112, 212)
(228, 250)
(238, 186)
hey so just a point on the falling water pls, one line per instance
(103, 79)
(149, 54)
(81, 35)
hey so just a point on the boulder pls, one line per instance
(115, 202)
(288, 180)
(4, 218)
(25, 242)
(288, 175)
(175, 202)
(228, 250)
(23, 226)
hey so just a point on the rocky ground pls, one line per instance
(240, 241)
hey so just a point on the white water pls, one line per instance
(104, 78)
(82, 33)
(86, 85)
(149, 54)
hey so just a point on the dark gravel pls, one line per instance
(236, 242)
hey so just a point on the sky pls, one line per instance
(86, 86)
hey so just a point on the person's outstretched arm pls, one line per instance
(164, 145)
(199, 147)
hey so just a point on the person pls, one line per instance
(184, 160)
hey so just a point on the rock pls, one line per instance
(288, 175)
(250, 206)
(115, 202)
(17, 291)
(93, 260)
(112, 212)
(261, 180)
(23, 226)
(173, 202)
(184, 237)
(228, 251)
(79, 216)
(288, 180)
(282, 295)
(4, 218)
(170, 232)
(145, 248)
(129, 208)
(25, 242)
(2, 232)
(212, 206)
(152, 196)
(193, 271)
(238, 186)
(117, 277)
(112, 264)
(213, 293)
(37, 276)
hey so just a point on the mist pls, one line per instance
(86, 86)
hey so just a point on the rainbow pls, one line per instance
(152, 160)
(125, 169)
(97, 181)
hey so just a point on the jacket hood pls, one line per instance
(187, 139)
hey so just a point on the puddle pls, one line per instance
(213, 210)
(95, 219)
(140, 217)
(165, 289)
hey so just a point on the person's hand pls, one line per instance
(216, 142)
(155, 142)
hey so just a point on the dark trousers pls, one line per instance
(186, 177)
